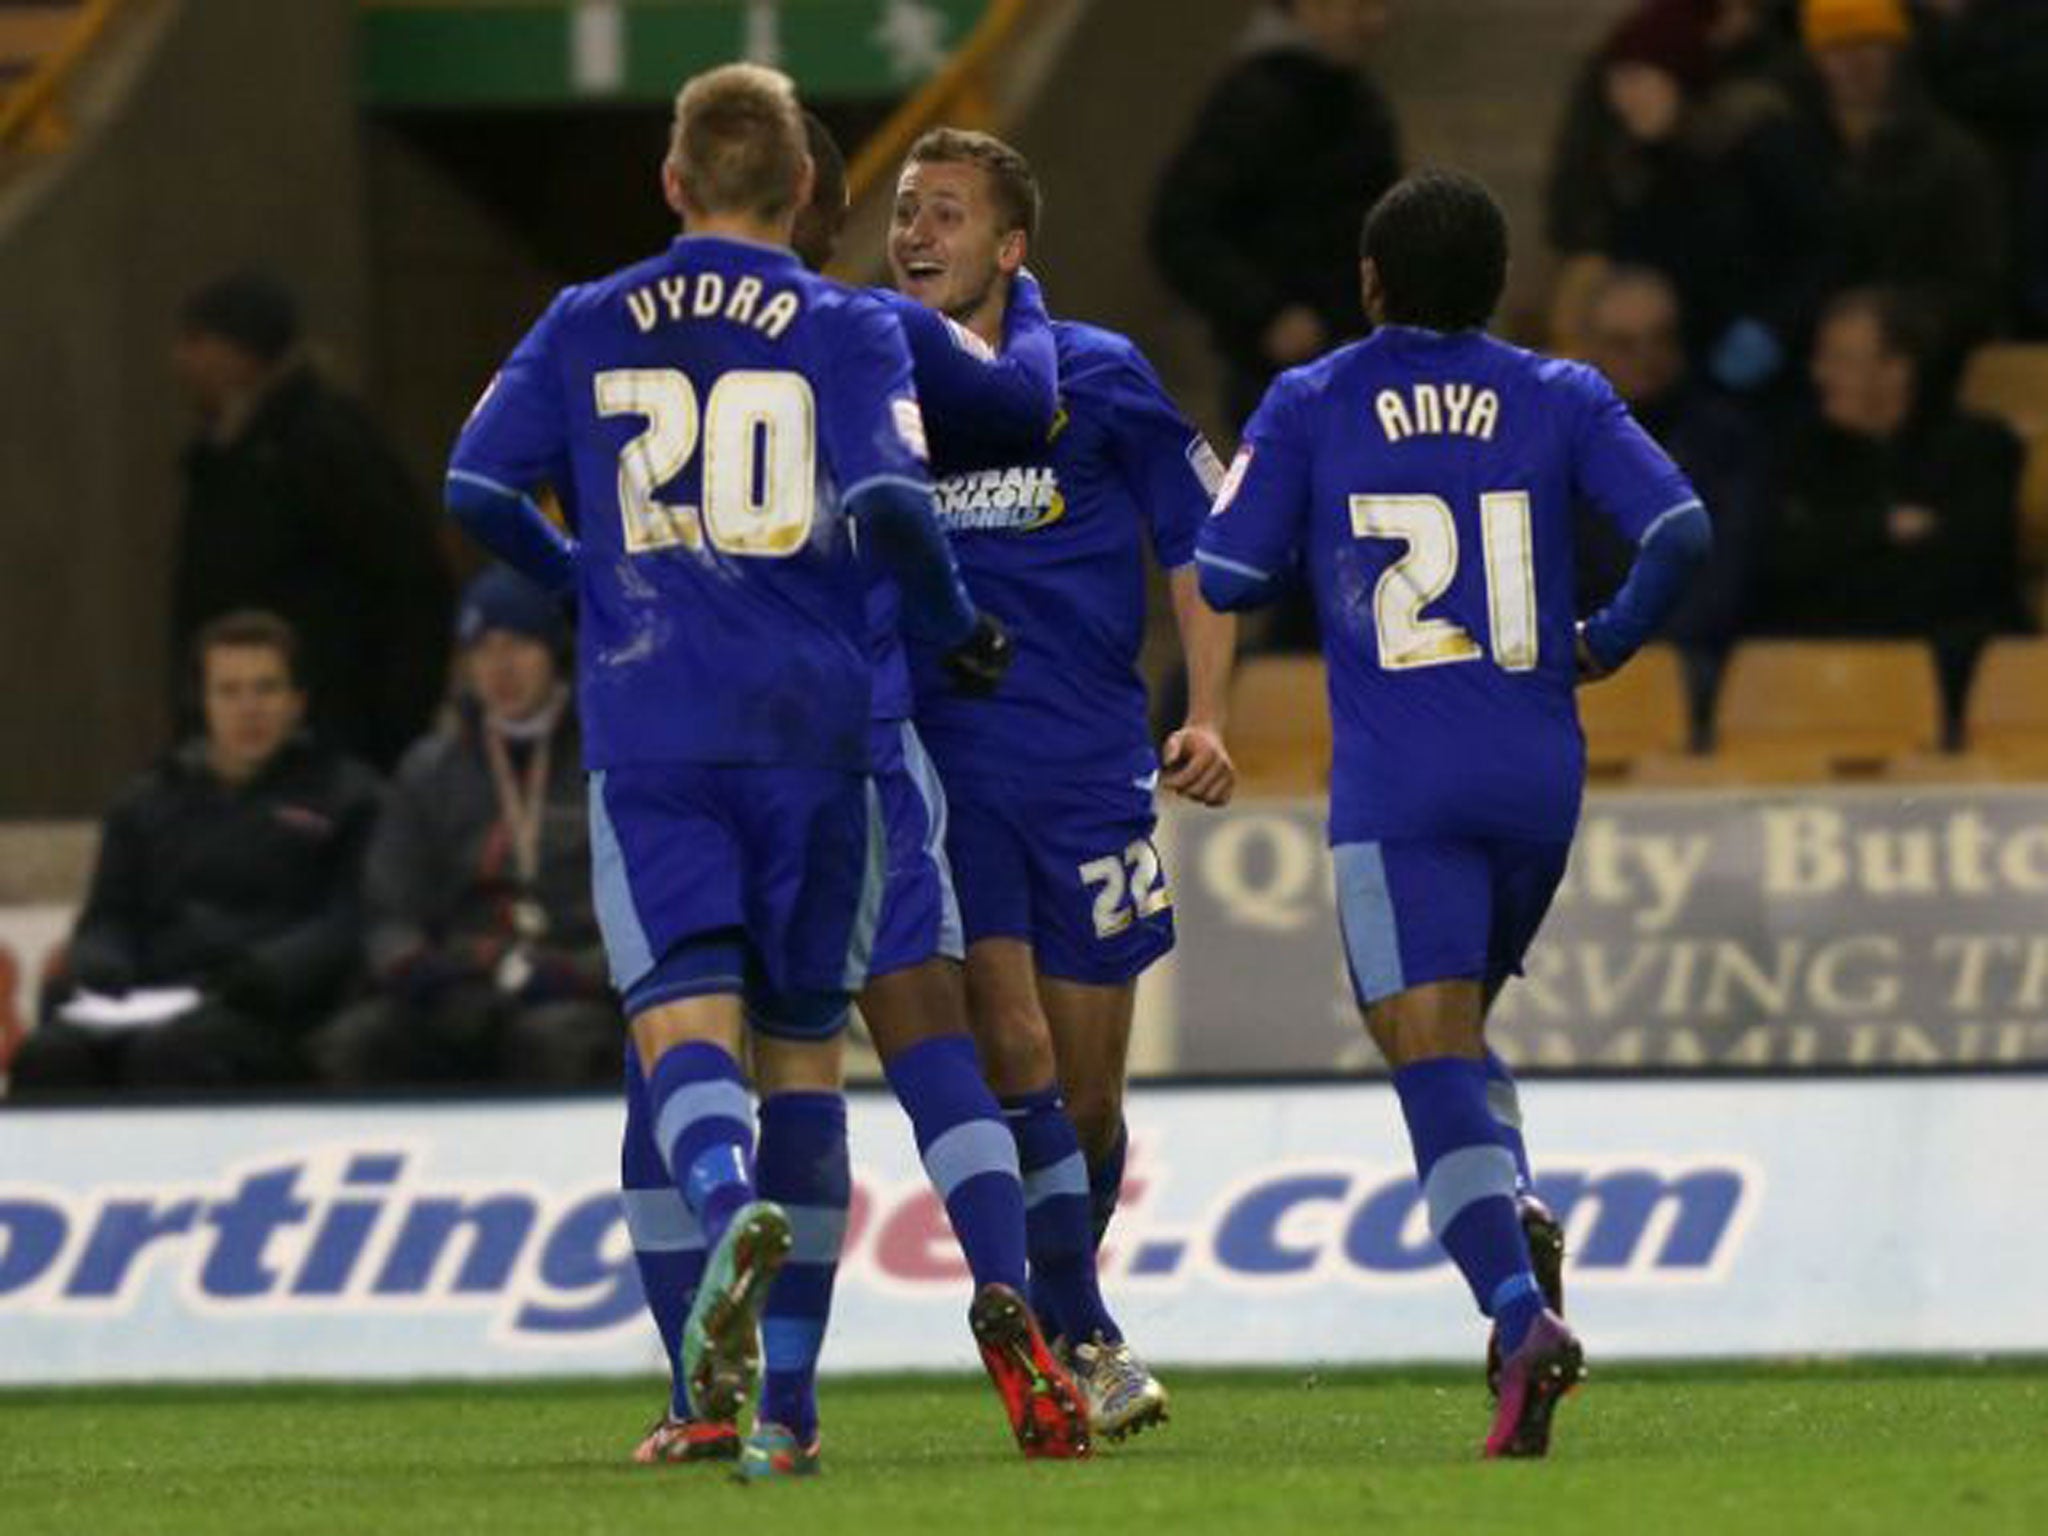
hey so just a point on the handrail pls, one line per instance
(959, 90)
(28, 105)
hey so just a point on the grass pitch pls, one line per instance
(1948, 1448)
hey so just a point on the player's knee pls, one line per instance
(1016, 1049)
(798, 1066)
(1437, 1019)
(1097, 1112)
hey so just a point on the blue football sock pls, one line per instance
(968, 1153)
(1505, 1101)
(668, 1244)
(1064, 1291)
(803, 1167)
(1106, 1182)
(1468, 1180)
(704, 1126)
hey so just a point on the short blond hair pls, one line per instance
(1013, 188)
(737, 144)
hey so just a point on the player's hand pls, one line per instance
(1590, 669)
(979, 662)
(1197, 766)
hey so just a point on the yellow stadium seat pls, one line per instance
(1854, 706)
(2006, 718)
(30, 33)
(1638, 713)
(2010, 379)
(2034, 504)
(1280, 726)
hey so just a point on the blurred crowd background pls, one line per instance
(255, 265)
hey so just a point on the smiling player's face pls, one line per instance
(947, 247)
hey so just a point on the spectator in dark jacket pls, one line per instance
(1918, 199)
(483, 943)
(295, 503)
(1987, 63)
(1256, 222)
(224, 894)
(1633, 335)
(1683, 150)
(1900, 515)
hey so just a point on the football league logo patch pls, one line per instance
(1226, 493)
(910, 426)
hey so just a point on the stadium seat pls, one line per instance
(1638, 713)
(1280, 726)
(1789, 709)
(29, 34)
(2010, 379)
(2005, 720)
(2034, 504)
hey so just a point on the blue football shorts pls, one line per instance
(686, 856)
(1416, 910)
(920, 915)
(1068, 867)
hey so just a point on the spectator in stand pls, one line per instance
(1987, 62)
(1633, 334)
(294, 503)
(223, 907)
(1256, 221)
(483, 942)
(1900, 514)
(1683, 150)
(1917, 198)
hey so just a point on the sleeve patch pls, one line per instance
(910, 425)
(1207, 467)
(1226, 491)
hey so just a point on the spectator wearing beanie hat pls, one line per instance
(294, 503)
(1682, 153)
(482, 940)
(1919, 200)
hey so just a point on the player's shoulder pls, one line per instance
(1095, 359)
(1551, 374)
(593, 296)
(1096, 345)
(1305, 387)
(843, 314)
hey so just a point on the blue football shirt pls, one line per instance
(1052, 542)
(977, 402)
(1429, 482)
(711, 411)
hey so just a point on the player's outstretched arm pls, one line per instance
(1197, 764)
(902, 531)
(1635, 486)
(515, 438)
(1672, 551)
(996, 399)
(1254, 532)
(508, 523)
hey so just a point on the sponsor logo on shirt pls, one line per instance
(1014, 500)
